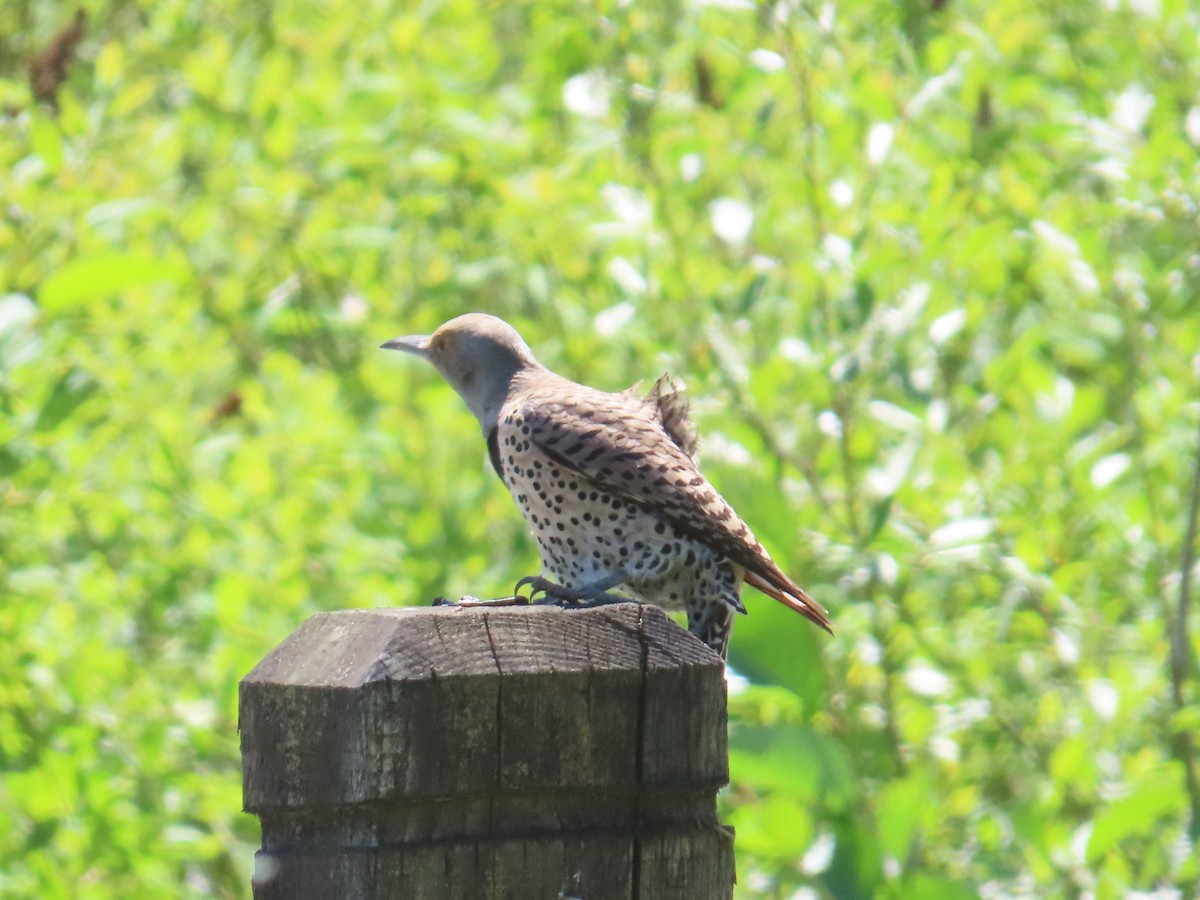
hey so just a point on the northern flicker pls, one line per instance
(607, 483)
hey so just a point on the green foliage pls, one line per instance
(947, 370)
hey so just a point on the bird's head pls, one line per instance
(478, 355)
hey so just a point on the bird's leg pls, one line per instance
(594, 594)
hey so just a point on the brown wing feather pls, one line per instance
(671, 405)
(618, 442)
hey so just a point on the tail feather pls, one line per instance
(792, 596)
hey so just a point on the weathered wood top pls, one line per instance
(351, 648)
(431, 702)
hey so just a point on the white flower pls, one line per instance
(1109, 469)
(613, 319)
(947, 326)
(1065, 647)
(829, 424)
(354, 308)
(838, 249)
(629, 278)
(627, 204)
(731, 219)
(1132, 108)
(841, 193)
(1104, 699)
(926, 681)
(893, 416)
(961, 531)
(766, 60)
(586, 94)
(879, 142)
(818, 857)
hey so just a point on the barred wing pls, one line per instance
(618, 443)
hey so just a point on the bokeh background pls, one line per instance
(930, 271)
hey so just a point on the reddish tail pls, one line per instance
(793, 596)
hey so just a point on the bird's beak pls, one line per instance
(417, 344)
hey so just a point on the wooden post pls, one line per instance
(518, 753)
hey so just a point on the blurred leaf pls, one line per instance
(802, 761)
(47, 142)
(93, 278)
(69, 392)
(1138, 815)
(903, 805)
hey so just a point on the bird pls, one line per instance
(608, 484)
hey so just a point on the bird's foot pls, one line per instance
(554, 594)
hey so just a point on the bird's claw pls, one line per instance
(551, 593)
(536, 584)
(568, 597)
